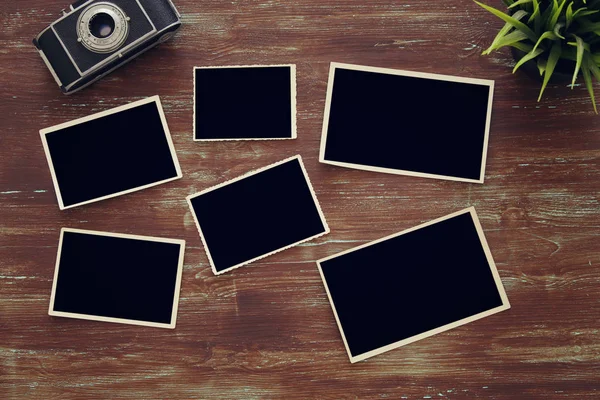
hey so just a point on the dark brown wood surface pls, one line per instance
(266, 330)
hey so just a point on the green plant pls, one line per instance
(551, 30)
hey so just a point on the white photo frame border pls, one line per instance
(492, 265)
(399, 72)
(293, 101)
(91, 317)
(45, 131)
(244, 176)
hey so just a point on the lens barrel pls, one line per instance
(103, 27)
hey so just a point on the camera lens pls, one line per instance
(102, 25)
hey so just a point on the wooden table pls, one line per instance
(267, 330)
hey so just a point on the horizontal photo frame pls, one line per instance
(258, 214)
(407, 123)
(145, 159)
(74, 290)
(272, 110)
(374, 307)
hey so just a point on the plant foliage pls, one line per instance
(550, 30)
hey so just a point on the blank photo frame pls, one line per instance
(114, 277)
(247, 102)
(109, 154)
(257, 214)
(407, 123)
(412, 285)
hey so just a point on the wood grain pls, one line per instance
(267, 331)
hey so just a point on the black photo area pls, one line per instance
(257, 215)
(117, 277)
(407, 123)
(111, 154)
(243, 103)
(411, 284)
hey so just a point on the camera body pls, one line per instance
(94, 37)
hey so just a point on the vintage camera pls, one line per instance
(94, 37)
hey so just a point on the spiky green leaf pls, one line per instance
(555, 14)
(525, 48)
(513, 21)
(580, 50)
(536, 17)
(547, 11)
(519, 3)
(529, 56)
(557, 29)
(513, 37)
(575, 44)
(550, 65)
(569, 15)
(593, 67)
(541, 64)
(504, 31)
(583, 12)
(544, 36)
(590, 86)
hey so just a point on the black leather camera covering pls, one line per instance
(139, 25)
(64, 68)
(78, 3)
(161, 13)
